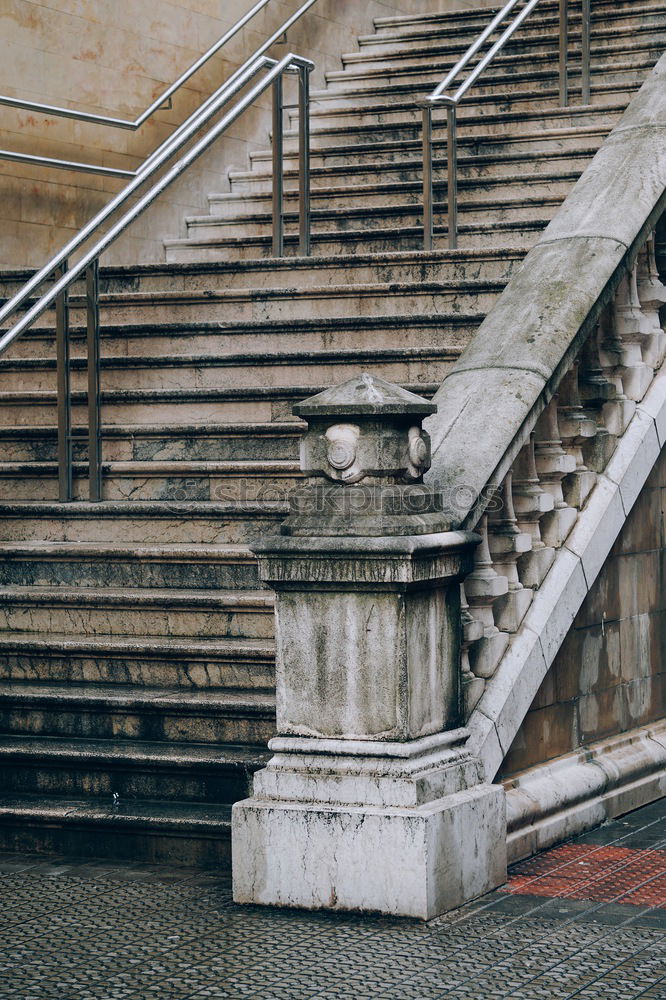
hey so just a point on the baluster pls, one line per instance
(278, 168)
(553, 464)
(472, 631)
(304, 170)
(616, 412)
(94, 405)
(603, 400)
(652, 296)
(64, 391)
(576, 427)
(530, 503)
(628, 338)
(483, 586)
(507, 543)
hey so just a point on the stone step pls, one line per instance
(144, 662)
(471, 169)
(505, 128)
(404, 362)
(171, 833)
(167, 522)
(473, 213)
(87, 768)
(300, 272)
(128, 712)
(219, 482)
(611, 66)
(379, 194)
(167, 406)
(532, 142)
(166, 348)
(100, 564)
(475, 20)
(421, 28)
(542, 39)
(491, 104)
(169, 318)
(139, 612)
(401, 237)
(224, 442)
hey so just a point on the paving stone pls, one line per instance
(101, 932)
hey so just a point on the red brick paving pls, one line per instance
(594, 873)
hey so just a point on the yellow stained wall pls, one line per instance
(114, 57)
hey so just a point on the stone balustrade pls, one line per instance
(555, 471)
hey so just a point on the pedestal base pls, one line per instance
(404, 862)
(410, 837)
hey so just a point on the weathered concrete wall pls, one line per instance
(609, 676)
(115, 59)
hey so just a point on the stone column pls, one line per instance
(371, 800)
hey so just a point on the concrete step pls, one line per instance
(129, 712)
(82, 768)
(171, 833)
(144, 662)
(100, 564)
(212, 443)
(139, 612)
(167, 522)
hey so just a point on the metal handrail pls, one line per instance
(452, 101)
(64, 275)
(93, 168)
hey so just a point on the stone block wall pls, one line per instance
(609, 675)
(114, 59)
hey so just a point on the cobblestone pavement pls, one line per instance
(585, 920)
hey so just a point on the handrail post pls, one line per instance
(64, 392)
(304, 175)
(278, 168)
(428, 218)
(564, 53)
(452, 160)
(94, 422)
(585, 54)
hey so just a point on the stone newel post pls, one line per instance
(371, 800)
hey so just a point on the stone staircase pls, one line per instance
(136, 646)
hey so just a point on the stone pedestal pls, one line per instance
(371, 801)
(403, 829)
(368, 633)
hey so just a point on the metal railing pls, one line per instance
(136, 123)
(64, 273)
(452, 101)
